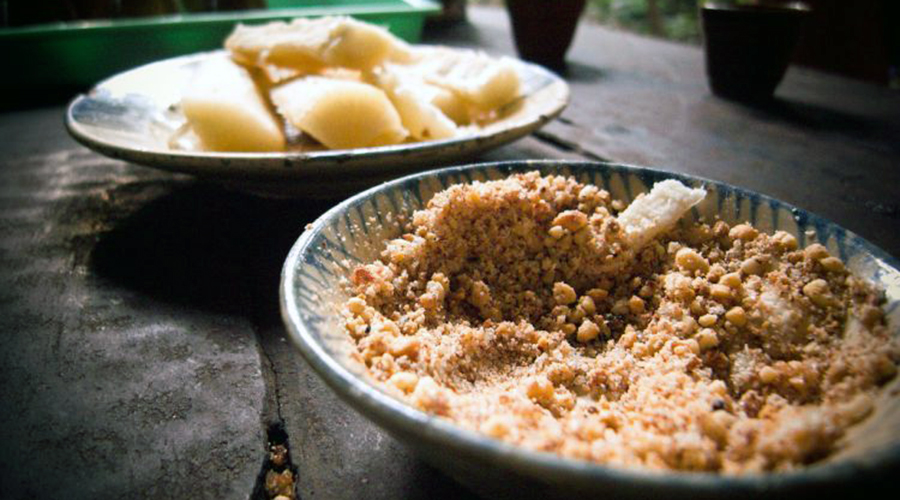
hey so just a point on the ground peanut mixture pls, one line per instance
(541, 312)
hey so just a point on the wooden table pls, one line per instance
(141, 349)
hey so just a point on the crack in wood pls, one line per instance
(278, 474)
(566, 145)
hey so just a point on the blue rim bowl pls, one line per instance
(353, 232)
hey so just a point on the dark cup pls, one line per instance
(543, 29)
(748, 47)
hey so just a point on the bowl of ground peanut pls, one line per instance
(559, 329)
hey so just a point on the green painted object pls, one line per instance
(79, 54)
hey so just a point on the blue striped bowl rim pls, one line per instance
(355, 230)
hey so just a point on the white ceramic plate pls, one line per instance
(132, 116)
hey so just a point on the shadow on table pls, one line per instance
(18, 99)
(822, 119)
(582, 73)
(201, 247)
(204, 247)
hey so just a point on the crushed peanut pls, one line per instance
(522, 309)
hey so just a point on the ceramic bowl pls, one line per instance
(354, 232)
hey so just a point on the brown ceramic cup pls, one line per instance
(543, 29)
(748, 47)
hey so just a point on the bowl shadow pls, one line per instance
(203, 247)
(823, 119)
(200, 247)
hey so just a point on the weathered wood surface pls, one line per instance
(127, 368)
(141, 350)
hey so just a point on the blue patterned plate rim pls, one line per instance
(438, 432)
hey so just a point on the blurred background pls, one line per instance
(859, 39)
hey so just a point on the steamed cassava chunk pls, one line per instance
(295, 45)
(310, 45)
(651, 215)
(226, 111)
(484, 82)
(657, 211)
(362, 46)
(452, 105)
(415, 101)
(340, 114)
